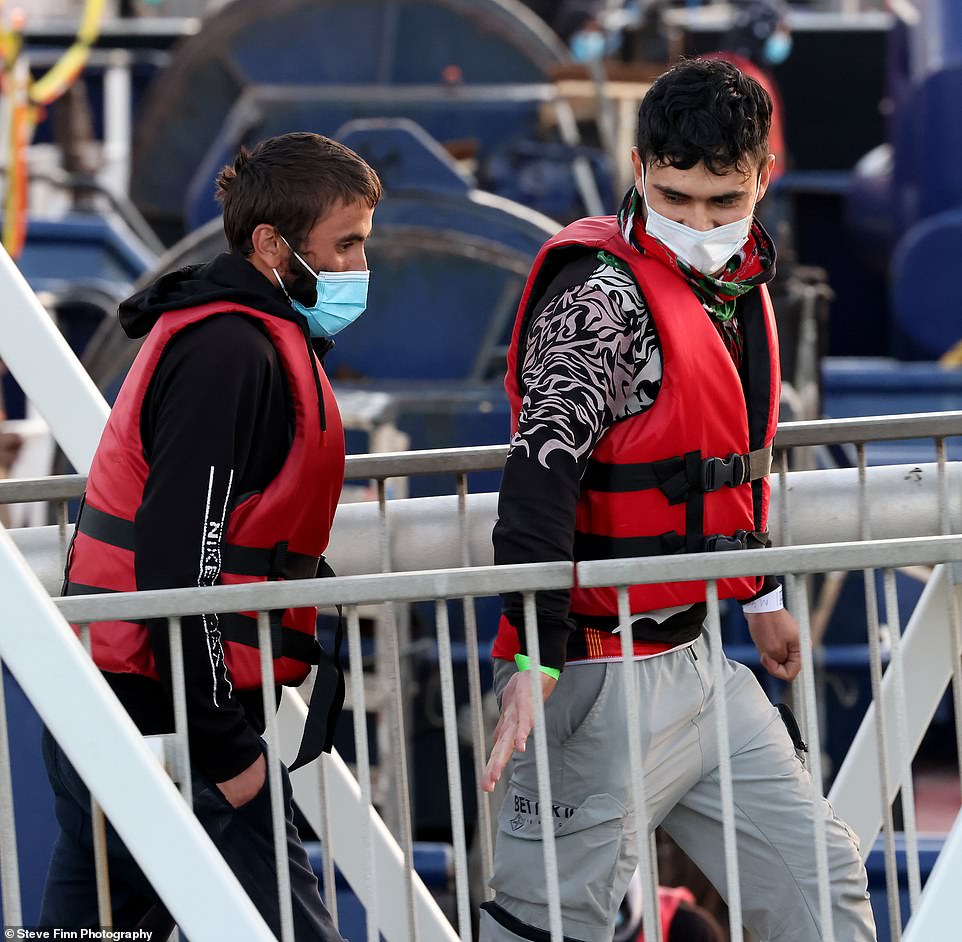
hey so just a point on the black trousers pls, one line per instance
(243, 835)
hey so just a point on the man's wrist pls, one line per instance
(771, 602)
(523, 663)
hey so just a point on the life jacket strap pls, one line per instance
(277, 562)
(242, 629)
(327, 697)
(675, 477)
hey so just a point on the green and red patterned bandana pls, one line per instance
(754, 265)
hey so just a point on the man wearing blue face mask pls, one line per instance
(644, 384)
(222, 463)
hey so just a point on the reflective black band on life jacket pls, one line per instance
(275, 563)
(75, 588)
(596, 546)
(671, 478)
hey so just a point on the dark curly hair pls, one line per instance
(705, 110)
(291, 182)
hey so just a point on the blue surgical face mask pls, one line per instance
(341, 298)
(777, 48)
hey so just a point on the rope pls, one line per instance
(25, 99)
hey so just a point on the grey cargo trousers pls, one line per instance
(595, 831)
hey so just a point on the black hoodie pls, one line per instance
(216, 425)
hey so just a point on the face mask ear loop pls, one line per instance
(294, 253)
(758, 190)
(281, 283)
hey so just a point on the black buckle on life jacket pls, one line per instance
(717, 473)
(720, 543)
(740, 539)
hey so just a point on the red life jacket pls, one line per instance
(279, 533)
(689, 474)
(669, 899)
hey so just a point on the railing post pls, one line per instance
(49, 372)
(282, 860)
(453, 755)
(543, 769)
(146, 810)
(647, 858)
(9, 860)
(733, 885)
(363, 761)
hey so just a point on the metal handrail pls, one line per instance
(339, 590)
(54, 487)
(493, 580)
(869, 429)
(491, 457)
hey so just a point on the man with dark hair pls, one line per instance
(644, 385)
(222, 462)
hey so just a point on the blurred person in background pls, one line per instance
(759, 40)
(581, 24)
(682, 919)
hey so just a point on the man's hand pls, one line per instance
(776, 636)
(514, 725)
(10, 443)
(243, 787)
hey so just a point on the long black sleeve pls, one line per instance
(215, 428)
(591, 356)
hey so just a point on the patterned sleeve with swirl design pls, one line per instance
(591, 358)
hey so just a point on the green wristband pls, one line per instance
(524, 664)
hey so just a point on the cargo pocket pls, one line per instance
(588, 842)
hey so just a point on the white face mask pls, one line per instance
(706, 252)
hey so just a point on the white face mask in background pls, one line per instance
(706, 252)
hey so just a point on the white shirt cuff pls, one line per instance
(772, 602)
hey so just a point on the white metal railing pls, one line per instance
(926, 663)
(110, 755)
(465, 583)
(431, 532)
(34, 349)
(823, 506)
(400, 588)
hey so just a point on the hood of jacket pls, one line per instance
(228, 277)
